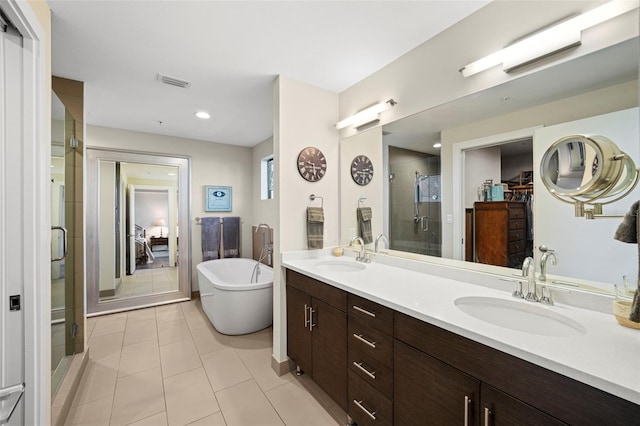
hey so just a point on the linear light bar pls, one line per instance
(552, 40)
(367, 115)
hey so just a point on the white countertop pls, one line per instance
(606, 357)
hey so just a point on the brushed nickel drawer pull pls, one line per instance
(365, 341)
(487, 416)
(311, 323)
(364, 311)
(369, 413)
(306, 316)
(364, 370)
(467, 403)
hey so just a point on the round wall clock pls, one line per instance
(312, 164)
(361, 170)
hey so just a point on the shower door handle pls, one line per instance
(424, 222)
(64, 242)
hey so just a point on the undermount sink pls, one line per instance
(340, 266)
(520, 316)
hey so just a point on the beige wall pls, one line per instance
(428, 75)
(303, 116)
(264, 211)
(211, 164)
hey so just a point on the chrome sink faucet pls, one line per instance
(529, 271)
(381, 237)
(546, 255)
(361, 257)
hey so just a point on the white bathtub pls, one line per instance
(232, 302)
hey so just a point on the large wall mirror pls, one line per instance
(138, 248)
(500, 134)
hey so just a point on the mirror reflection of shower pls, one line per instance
(415, 223)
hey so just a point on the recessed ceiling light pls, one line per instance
(202, 114)
(437, 145)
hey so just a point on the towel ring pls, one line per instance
(313, 197)
(361, 201)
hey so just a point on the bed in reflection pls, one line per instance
(144, 254)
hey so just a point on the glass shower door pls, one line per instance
(61, 266)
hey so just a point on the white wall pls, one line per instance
(151, 206)
(350, 191)
(303, 116)
(480, 165)
(211, 164)
(586, 249)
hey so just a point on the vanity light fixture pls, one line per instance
(203, 114)
(367, 115)
(552, 40)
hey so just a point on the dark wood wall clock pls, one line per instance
(312, 164)
(362, 170)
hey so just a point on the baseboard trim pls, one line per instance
(61, 403)
(108, 293)
(282, 368)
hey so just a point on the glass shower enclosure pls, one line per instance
(415, 223)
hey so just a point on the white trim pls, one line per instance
(37, 150)
(458, 180)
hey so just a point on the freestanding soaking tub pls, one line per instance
(233, 303)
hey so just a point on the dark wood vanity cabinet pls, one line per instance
(442, 367)
(384, 367)
(317, 333)
(370, 337)
(500, 236)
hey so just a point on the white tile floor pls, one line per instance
(149, 281)
(168, 366)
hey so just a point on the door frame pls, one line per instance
(458, 168)
(37, 232)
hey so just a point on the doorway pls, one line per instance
(480, 160)
(138, 214)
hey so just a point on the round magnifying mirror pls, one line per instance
(579, 165)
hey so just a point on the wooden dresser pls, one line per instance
(500, 233)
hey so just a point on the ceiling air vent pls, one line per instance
(172, 81)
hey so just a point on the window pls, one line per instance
(266, 181)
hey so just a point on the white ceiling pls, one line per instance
(231, 52)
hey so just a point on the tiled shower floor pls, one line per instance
(168, 366)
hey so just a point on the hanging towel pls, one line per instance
(231, 236)
(315, 227)
(629, 232)
(364, 223)
(210, 238)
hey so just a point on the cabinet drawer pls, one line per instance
(516, 247)
(374, 343)
(373, 314)
(367, 406)
(372, 371)
(516, 213)
(516, 224)
(517, 234)
(328, 294)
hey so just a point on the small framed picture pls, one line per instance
(526, 177)
(217, 198)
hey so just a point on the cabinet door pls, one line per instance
(298, 333)
(329, 342)
(430, 392)
(500, 409)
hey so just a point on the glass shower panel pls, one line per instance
(61, 266)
